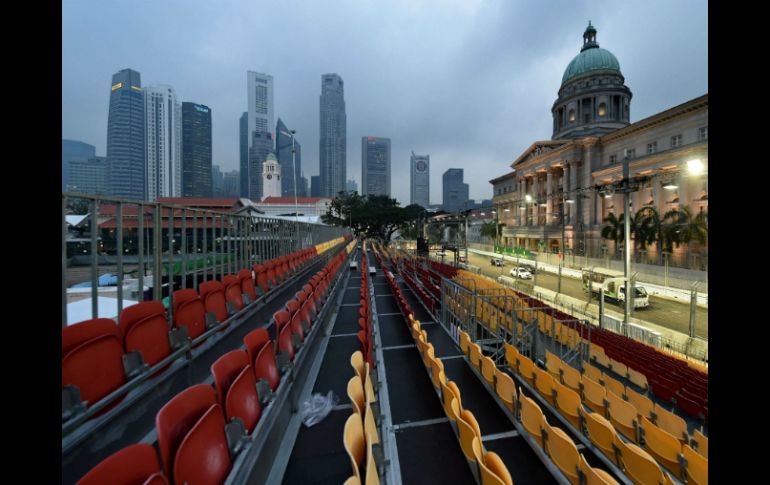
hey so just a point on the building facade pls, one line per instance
(333, 142)
(454, 190)
(217, 182)
(375, 166)
(315, 186)
(260, 124)
(419, 180)
(73, 150)
(163, 119)
(196, 150)
(568, 180)
(351, 186)
(305, 206)
(243, 131)
(89, 176)
(126, 147)
(283, 146)
(271, 176)
(231, 183)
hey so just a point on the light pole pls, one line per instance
(626, 238)
(294, 169)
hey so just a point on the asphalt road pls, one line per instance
(666, 313)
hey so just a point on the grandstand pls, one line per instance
(442, 376)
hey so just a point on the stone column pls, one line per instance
(573, 185)
(536, 202)
(567, 188)
(586, 180)
(684, 189)
(657, 195)
(549, 194)
(522, 198)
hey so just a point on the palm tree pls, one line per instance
(686, 228)
(613, 229)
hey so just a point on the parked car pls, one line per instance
(522, 273)
(497, 262)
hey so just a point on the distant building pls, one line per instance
(302, 190)
(419, 180)
(231, 184)
(260, 122)
(307, 206)
(351, 186)
(164, 142)
(73, 150)
(244, 165)
(126, 145)
(271, 177)
(196, 150)
(333, 143)
(375, 166)
(90, 176)
(286, 159)
(315, 186)
(261, 146)
(454, 190)
(217, 182)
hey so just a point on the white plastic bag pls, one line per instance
(317, 407)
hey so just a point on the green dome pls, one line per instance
(592, 59)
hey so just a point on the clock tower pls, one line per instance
(271, 177)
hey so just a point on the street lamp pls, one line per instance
(294, 169)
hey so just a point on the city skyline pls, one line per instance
(496, 99)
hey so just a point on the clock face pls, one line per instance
(269, 176)
(421, 166)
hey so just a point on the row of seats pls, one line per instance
(418, 290)
(93, 350)
(200, 429)
(615, 408)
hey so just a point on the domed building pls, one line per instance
(569, 180)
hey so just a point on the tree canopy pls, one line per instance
(370, 215)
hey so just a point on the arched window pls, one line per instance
(571, 116)
(602, 109)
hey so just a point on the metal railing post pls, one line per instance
(94, 262)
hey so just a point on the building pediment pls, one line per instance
(539, 149)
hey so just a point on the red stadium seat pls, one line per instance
(281, 319)
(225, 369)
(285, 342)
(233, 293)
(242, 400)
(203, 456)
(266, 368)
(213, 296)
(133, 464)
(143, 327)
(247, 284)
(95, 367)
(78, 333)
(254, 341)
(189, 312)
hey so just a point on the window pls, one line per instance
(572, 116)
(703, 133)
(631, 153)
(652, 147)
(602, 109)
(676, 141)
(613, 159)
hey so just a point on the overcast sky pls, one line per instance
(470, 82)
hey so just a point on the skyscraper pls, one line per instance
(375, 166)
(217, 182)
(196, 150)
(333, 143)
(351, 186)
(125, 136)
(419, 180)
(230, 184)
(315, 186)
(164, 142)
(72, 150)
(283, 148)
(260, 122)
(302, 190)
(89, 176)
(243, 181)
(455, 191)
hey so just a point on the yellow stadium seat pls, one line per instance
(618, 368)
(447, 397)
(697, 467)
(701, 444)
(594, 395)
(437, 373)
(526, 369)
(644, 406)
(505, 389)
(603, 435)
(640, 467)
(568, 403)
(563, 453)
(427, 356)
(369, 386)
(570, 377)
(494, 471)
(468, 429)
(672, 424)
(532, 418)
(638, 378)
(511, 354)
(488, 370)
(372, 478)
(356, 394)
(623, 416)
(357, 363)
(370, 426)
(354, 441)
(544, 384)
(664, 447)
(603, 360)
(553, 364)
(595, 476)
(595, 350)
(592, 372)
(354, 480)
(614, 385)
(475, 356)
(415, 331)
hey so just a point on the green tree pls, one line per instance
(614, 229)
(488, 230)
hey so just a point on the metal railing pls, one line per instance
(145, 250)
